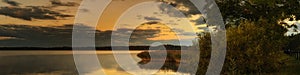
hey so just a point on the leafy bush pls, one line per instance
(252, 48)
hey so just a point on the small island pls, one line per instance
(171, 62)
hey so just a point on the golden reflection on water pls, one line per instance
(116, 72)
(106, 58)
(13, 53)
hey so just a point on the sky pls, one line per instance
(48, 23)
(292, 25)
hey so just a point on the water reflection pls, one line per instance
(58, 63)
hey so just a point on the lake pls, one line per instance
(60, 63)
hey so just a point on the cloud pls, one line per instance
(58, 36)
(29, 13)
(148, 18)
(150, 23)
(135, 36)
(12, 3)
(84, 10)
(6, 38)
(178, 30)
(170, 11)
(34, 36)
(59, 3)
(142, 36)
(179, 4)
(38, 36)
(198, 19)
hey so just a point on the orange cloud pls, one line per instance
(166, 33)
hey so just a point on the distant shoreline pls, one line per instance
(131, 48)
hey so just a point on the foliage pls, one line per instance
(254, 49)
(250, 50)
(205, 50)
(237, 10)
(255, 40)
(294, 44)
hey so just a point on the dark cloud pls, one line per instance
(178, 30)
(199, 21)
(59, 3)
(144, 34)
(170, 11)
(84, 10)
(152, 22)
(29, 13)
(188, 34)
(177, 4)
(35, 36)
(209, 9)
(12, 3)
(148, 18)
(174, 8)
(38, 36)
(140, 37)
(135, 36)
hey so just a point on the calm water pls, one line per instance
(57, 63)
